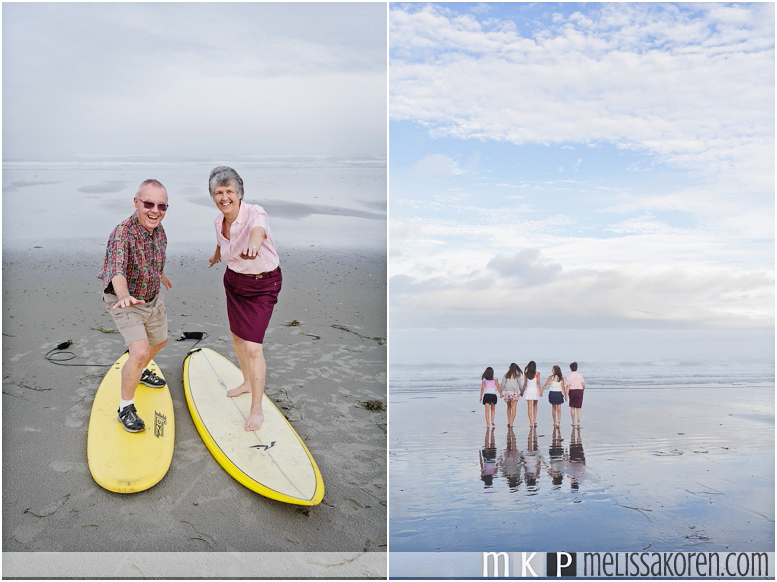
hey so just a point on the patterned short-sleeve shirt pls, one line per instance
(138, 255)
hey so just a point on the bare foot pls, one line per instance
(254, 421)
(243, 388)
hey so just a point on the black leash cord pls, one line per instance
(198, 335)
(59, 358)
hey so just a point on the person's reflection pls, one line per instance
(532, 461)
(511, 468)
(531, 445)
(556, 455)
(488, 463)
(576, 459)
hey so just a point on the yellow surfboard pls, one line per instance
(272, 461)
(122, 461)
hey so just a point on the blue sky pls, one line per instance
(596, 177)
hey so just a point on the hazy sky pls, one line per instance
(193, 79)
(581, 181)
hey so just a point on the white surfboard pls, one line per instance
(272, 461)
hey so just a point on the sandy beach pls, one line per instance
(666, 468)
(320, 371)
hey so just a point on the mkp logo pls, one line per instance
(560, 564)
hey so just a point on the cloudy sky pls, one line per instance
(581, 181)
(188, 79)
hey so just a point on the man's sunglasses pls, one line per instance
(150, 205)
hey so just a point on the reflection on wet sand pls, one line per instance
(532, 465)
(525, 467)
(512, 460)
(576, 458)
(488, 461)
(556, 456)
(623, 482)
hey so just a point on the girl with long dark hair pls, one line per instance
(557, 394)
(531, 391)
(489, 386)
(511, 385)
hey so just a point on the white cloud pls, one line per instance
(670, 229)
(695, 88)
(695, 297)
(436, 165)
(525, 266)
(650, 272)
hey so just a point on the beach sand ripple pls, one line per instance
(317, 374)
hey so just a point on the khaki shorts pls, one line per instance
(137, 322)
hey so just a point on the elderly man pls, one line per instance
(132, 274)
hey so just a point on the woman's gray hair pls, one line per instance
(223, 176)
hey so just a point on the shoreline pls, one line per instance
(318, 371)
(674, 471)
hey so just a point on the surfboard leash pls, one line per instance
(57, 356)
(198, 335)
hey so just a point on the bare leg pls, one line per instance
(252, 364)
(485, 411)
(140, 354)
(242, 359)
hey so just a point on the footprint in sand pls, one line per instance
(350, 507)
(76, 415)
(24, 534)
(61, 466)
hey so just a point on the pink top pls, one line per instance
(249, 216)
(575, 381)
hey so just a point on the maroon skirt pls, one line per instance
(250, 302)
(576, 398)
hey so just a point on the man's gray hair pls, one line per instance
(223, 176)
(150, 182)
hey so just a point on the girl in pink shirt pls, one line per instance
(489, 386)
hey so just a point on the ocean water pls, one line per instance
(311, 201)
(598, 375)
(671, 456)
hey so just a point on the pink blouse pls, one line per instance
(249, 216)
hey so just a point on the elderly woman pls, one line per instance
(252, 280)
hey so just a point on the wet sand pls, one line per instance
(319, 373)
(680, 469)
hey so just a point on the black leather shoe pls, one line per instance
(150, 379)
(130, 419)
